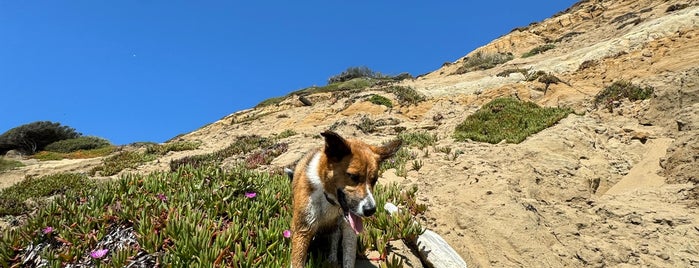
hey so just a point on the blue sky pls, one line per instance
(133, 71)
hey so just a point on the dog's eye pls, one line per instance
(353, 177)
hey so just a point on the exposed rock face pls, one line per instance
(597, 189)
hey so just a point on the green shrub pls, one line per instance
(79, 143)
(380, 100)
(162, 149)
(12, 199)
(33, 137)
(507, 119)
(202, 217)
(6, 164)
(482, 61)
(286, 133)
(538, 50)
(622, 90)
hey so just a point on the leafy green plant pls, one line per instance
(381, 100)
(507, 119)
(6, 164)
(12, 199)
(398, 162)
(242, 145)
(79, 143)
(538, 50)
(483, 61)
(622, 90)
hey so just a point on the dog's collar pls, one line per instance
(330, 200)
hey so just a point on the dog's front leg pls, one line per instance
(349, 246)
(300, 241)
(334, 244)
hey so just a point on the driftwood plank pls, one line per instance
(433, 249)
(436, 252)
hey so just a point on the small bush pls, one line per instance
(271, 101)
(587, 64)
(538, 50)
(507, 119)
(380, 100)
(79, 143)
(507, 72)
(481, 61)
(6, 164)
(676, 7)
(622, 90)
(398, 161)
(406, 95)
(352, 73)
(286, 133)
(12, 199)
(242, 145)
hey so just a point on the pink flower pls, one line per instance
(162, 197)
(250, 194)
(287, 233)
(98, 254)
(47, 230)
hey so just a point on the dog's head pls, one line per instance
(352, 172)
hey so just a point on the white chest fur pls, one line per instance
(319, 211)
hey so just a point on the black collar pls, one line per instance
(330, 200)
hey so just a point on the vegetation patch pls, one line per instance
(205, 217)
(242, 145)
(79, 154)
(380, 100)
(676, 7)
(420, 139)
(507, 119)
(538, 50)
(13, 200)
(79, 143)
(33, 137)
(622, 90)
(398, 162)
(123, 160)
(406, 95)
(482, 61)
(507, 72)
(162, 149)
(6, 164)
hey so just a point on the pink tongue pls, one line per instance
(355, 222)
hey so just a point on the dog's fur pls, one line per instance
(332, 188)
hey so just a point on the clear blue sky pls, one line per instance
(140, 70)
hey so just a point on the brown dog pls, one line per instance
(332, 189)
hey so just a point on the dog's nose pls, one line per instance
(369, 210)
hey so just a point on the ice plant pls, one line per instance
(98, 254)
(162, 197)
(287, 233)
(47, 230)
(250, 194)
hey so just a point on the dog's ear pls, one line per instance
(388, 149)
(336, 147)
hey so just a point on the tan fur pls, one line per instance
(337, 161)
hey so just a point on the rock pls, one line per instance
(13, 155)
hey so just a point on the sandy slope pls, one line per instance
(597, 189)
